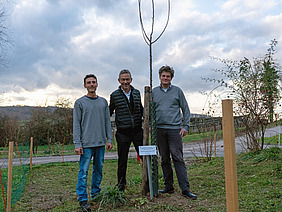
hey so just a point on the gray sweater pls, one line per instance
(91, 122)
(168, 105)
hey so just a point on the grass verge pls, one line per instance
(51, 187)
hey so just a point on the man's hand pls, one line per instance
(109, 146)
(79, 151)
(182, 132)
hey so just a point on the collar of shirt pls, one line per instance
(127, 94)
(165, 89)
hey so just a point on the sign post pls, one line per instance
(148, 151)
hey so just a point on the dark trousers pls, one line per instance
(170, 143)
(124, 139)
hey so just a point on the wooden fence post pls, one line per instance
(31, 149)
(145, 182)
(214, 139)
(230, 156)
(63, 148)
(10, 176)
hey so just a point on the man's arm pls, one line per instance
(141, 107)
(108, 128)
(77, 128)
(185, 112)
(112, 105)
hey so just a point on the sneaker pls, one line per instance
(167, 190)
(85, 207)
(188, 194)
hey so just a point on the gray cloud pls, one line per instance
(59, 42)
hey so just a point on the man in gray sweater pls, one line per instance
(91, 130)
(170, 130)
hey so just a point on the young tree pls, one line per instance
(9, 129)
(63, 119)
(270, 80)
(40, 125)
(149, 39)
(255, 86)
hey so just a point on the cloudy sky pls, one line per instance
(55, 43)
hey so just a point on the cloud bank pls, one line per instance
(56, 43)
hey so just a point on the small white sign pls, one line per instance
(147, 150)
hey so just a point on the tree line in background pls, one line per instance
(47, 125)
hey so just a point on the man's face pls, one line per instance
(165, 79)
(91, 84)
(125, 80)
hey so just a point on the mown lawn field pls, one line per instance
(51, 187)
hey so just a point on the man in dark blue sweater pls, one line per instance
(170, 130)
(126, 103)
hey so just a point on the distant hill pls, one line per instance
(20, 112)
(23, 113)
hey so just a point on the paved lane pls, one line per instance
(190, 150)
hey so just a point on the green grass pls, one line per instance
(272, 140)
(45, 150)
(110, 197)
(201, 136)
(51, 187)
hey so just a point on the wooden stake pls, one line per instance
(10, 175)
(31, 148)
(145, 183)
(214, 139)
(3, 191)
(63, 148)
(230, 156)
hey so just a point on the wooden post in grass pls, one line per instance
(63, 148)
(145, 182)
(214, 139)
(10, 175)
(231, 186)
(31, 148)
(3, 192)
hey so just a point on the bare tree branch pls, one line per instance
(149, 39)
(168, 15)
(5, 40)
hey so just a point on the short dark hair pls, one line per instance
(88, 76)
(124, 71)
(166, 69)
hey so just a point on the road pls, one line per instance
(189, 150)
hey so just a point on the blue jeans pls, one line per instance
(98, 159)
